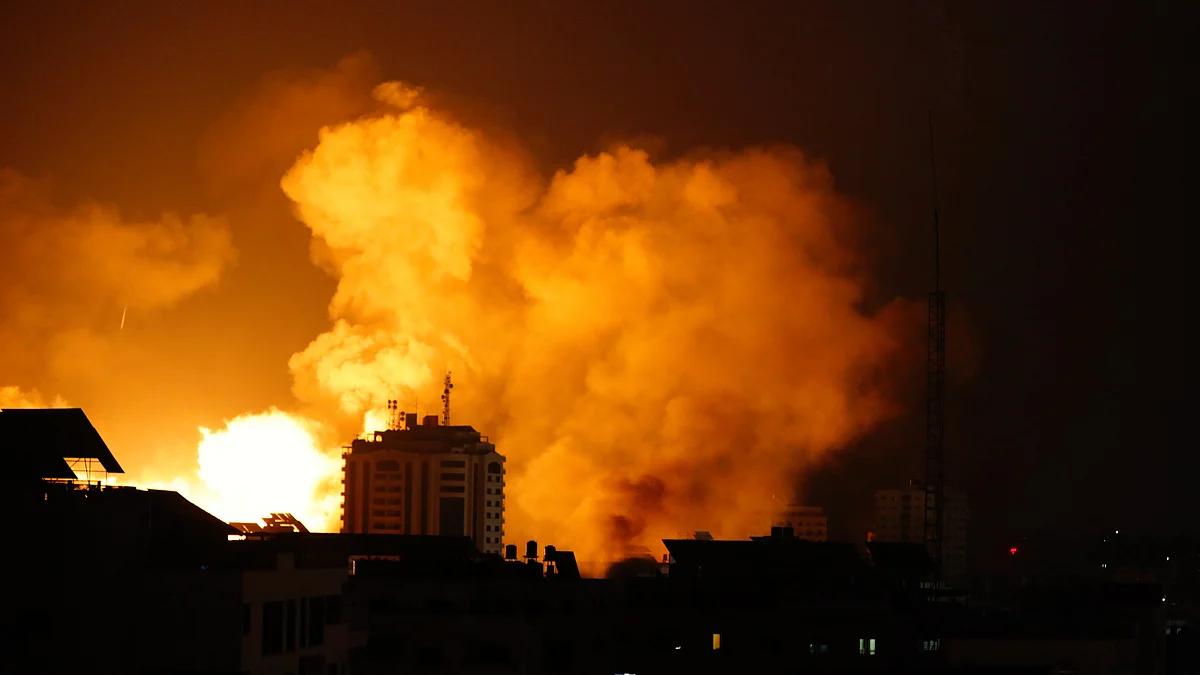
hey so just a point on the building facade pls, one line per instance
(807, 522)
(900, 516)
(425, 479)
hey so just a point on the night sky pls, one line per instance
(1053, 151)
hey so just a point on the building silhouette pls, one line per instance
(103, 579)
(425, 479)
(900, 517)
(806, 522)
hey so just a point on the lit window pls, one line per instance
(866, 647)
(716, 641)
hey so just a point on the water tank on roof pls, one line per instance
(429, 421)
(531, 550)
(510, 552)
(549, 553)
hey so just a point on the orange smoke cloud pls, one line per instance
(13, 397)
(657, 347)
(68, 275)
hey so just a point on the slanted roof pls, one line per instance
(35, 441)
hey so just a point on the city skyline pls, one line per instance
(1040, 247)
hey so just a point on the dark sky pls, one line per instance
(1053, 149)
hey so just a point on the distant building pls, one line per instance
(807, 522)
(900, 516)
(425, 479)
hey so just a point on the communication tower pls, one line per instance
(446, 401)
(393, 408)
(935, 399)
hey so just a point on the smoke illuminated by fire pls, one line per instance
(657, 347)
(61, 270)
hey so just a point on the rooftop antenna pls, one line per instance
(446, 400)
(393, 407)
(935, 398)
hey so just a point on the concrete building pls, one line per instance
(900, 516)
(807, 522)
(425, 479)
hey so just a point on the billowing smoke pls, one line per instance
(658, 347)
(68, 277)
(14, 397)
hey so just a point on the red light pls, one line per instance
(1012, 551)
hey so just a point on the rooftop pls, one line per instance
(50, 444)
(431, 438)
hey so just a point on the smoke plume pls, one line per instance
(657, 347)
(67, 276)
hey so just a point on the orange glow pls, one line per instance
(656, 347)
(259, 464)
(14, 397)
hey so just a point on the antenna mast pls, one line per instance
(446, 400)
(935, 401)
(393, 408)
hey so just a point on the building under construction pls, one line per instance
(425, 478)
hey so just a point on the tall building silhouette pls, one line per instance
(425, 478)
(900, 517)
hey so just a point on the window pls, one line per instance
(489, 502)
(487, 539)
(454, 489)
(290, 627)
(495, 467)
(378, 512)
(866, 647)
(818, 648)
(303, 622)
(489, 490)
(272, 628)
(333, 609)
(380, 500)
(716, 641)
(316, 621)
(454, 476)
(387, 465)
(931, 645)
(454, 464)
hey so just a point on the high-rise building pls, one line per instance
(425, 479)
(807, 522)
(900, 516)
